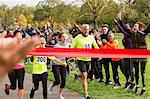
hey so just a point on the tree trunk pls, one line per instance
(95, 22)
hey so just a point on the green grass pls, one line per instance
(100, 91)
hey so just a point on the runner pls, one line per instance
(7, 63)
(86, 41)
(58, 69)
(39, 72)
(17, 74)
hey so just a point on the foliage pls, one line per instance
(22, 21)
(94, 12)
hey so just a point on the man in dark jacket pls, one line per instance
(30, 30)
(105, 31)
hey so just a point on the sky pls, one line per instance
(12, 3)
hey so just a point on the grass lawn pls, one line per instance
(100, 91)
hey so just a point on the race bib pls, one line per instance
(87, 46)
(41, 59)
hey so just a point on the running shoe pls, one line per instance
(87, 97)
(116, 86)
(137, 90)
(50, 89)
(7, 89)
(127, 85)
(60, 97)
(143, 92)
(132, 87)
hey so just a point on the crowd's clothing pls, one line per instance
(138, 42)
(61, 45)
(39, 73)
(36, 78)
(96, 66)
(106, 61)
(138, 39)
(128, 68)
(112, 45)
(96, 69)
(59, 72)
(84, 42)
(84, 66)
(17, 75)
(114, 61)
(39, 64)
(142, 68)
(23, 33)
(127, 43)
(30, 31)
(115, 65)
(20, 65)
(127, 40)
(74, 31)
(104, 36)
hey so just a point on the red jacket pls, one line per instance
(111, 45)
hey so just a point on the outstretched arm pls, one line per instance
(122, 30)
(121, 25)
(11, 53)
(57, 60)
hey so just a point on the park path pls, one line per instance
(38, 94)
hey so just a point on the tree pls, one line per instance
(58, 10)
(143, 8)
(22, 21)
(135, 10)
(41, 14)
(65, 13)
(30, 19)
(5, 16)
(95, 9)
(44, 9)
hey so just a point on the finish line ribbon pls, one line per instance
(93, 53)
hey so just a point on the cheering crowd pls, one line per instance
(90, 68)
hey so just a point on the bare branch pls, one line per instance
(88, 3)
(105, 5)
(84, 15)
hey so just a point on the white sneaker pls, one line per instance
(50, 89)
(60, 97)
(116, 87)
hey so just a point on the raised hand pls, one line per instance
(11, 53)
(119, 15)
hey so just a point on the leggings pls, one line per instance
(106, 62)
(96, 69)
(128, 69)
(36, 78)
(136, 66)
(17, 75)
(115, 65)
(59, 75)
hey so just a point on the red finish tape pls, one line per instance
(93, 53)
